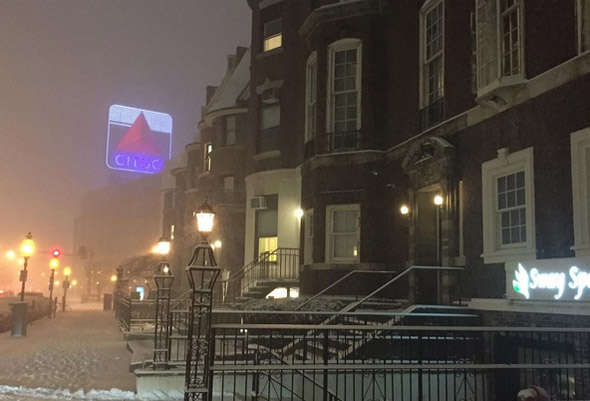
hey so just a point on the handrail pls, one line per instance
(342, 279)
(260, 258)
(378, 290)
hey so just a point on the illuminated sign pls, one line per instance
(138, 140)
(549, 279)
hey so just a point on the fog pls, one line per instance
(63, 63)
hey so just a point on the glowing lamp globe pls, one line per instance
(438, 200)
(54, 263)
(205, 216)
(113, 278)
(163, 247)
(67, 271)
(404, 210)
(27, 247)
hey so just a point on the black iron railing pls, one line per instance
(343, 141)
(432, 114)
(351, 363)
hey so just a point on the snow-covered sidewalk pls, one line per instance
(79, 355)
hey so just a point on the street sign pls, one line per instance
(138, 140)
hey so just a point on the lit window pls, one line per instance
(273, 36)
(230, 131)
(343, 233)
(583, 25)
(508, 207)
(208, 149)
(228, 183)
(311, 97)
(499, 40)
(172, 231)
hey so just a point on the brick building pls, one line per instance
(342, 112)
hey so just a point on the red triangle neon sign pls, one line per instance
(139, 139)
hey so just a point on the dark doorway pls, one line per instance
(426, 245)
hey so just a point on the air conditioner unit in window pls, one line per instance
(258, 202)
(270, 95)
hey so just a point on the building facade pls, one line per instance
(351, 117)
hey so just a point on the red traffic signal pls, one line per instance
(56, 253)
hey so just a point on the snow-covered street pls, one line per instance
(79, 355)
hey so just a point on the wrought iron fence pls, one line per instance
(280, 264)
(343, 141)
(350, 363)
(133, 313)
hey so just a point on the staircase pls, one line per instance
(270, 270)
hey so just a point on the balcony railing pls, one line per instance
(432, 114)
(343, 141)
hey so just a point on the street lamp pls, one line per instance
(66, 285)
(53, 265)
(202, 273)
(163, 279)
(27, 249)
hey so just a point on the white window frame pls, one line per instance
(500, 78)
(311, 86)
(582, 26)
(428, 6)
(505, 164)
(308, 225)
(330, 258)
(333, 48)
(580, 153)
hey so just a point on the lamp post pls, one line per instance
(66, 285)
(27, 248)
(438, 201)
(163, 279)
(202, 273)
(53, 265)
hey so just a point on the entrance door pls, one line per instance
(267, 227)
(426, 245)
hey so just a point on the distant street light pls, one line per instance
(27, 249)
(53, 265)
(11, 255)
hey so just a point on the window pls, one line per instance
(270, 121)
(345, 85)
(499, 40)
(508, 207)
(172, 228)
(273, 36)
(583, 25)
(580, 151)
(311, 97)
(228, 183)
(230, 131)
(432, 53)
(512, 208)
(343, 233)
(308, 237)
(344, 96)
(207, 162)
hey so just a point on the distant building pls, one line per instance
(115, 223)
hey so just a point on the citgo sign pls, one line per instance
(138, 140)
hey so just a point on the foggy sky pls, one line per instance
(64, 62)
